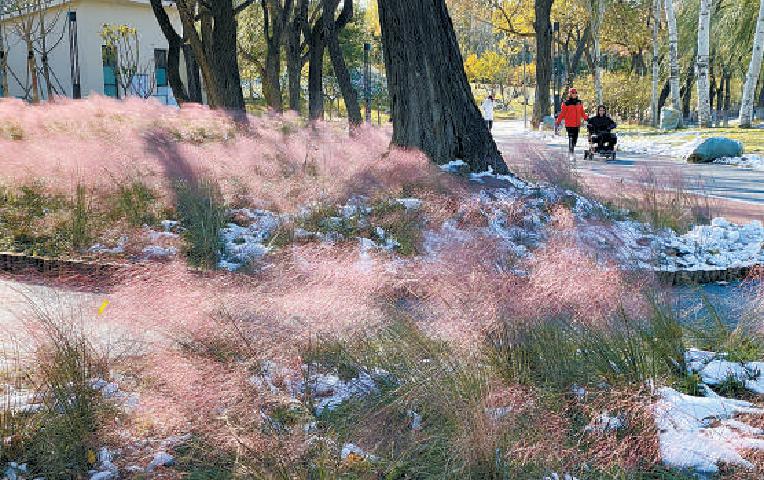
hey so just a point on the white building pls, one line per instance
(79, 61)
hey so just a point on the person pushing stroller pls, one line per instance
(572, 112)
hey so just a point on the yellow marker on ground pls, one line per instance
(103, 307)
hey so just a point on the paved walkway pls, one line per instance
(741, 190)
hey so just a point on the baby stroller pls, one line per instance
(602, 142)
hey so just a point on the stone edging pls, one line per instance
(697, 277)
(18, 263)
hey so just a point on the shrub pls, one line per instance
(135, 202)
(56, 438)
(202, 214)
(560, 353)
(80, 232)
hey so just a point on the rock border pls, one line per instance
(12, 262)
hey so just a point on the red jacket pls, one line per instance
(572, 114)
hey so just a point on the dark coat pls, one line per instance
(602, 123)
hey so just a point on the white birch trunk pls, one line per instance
(704, 40)
(676, 101)
(752, 78)
(597, 14)
(656, 68)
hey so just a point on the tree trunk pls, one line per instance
(174, 45)
(43, 34)
(754, 67)
(294, 57)
(215, 51)
(720, 93)
(704, 42)
(597, 12)
(543, 28)
(192, 75)
(3, 64)
(32, 71)
(576, 60)
(432, 103)
(685, 92)
(656, 19)
(226, 59)
(271, 80)
(673, 56)
(663, 96)
(316, 72)
(338, 61)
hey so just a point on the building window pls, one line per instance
(160, 67)
(109, 55)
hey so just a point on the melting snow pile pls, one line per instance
(753, 162)
(718, 246)
(714, 369)
(701, 432)
(650, 146)
(241, 244)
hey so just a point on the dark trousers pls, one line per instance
(606, 139)
(490, 124)
(572, 137)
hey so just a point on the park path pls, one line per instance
(22, 300)
(738, 194)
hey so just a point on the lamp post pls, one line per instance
(74, 61)
(367, 80)
(525, 85)
(556, 53)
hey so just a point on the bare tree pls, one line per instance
(656, 19)
(174, 46)
(702, 63)
(134, 75)
(673, 57)
(210, 28)
(752, 78)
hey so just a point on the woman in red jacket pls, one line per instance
(572, 112)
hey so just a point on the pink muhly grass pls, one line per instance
(311, 290)
(566, 280)
(462, 294)
(273, 163)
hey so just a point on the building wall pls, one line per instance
(91, 16)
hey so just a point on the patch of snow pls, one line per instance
(717, 371)
(753, 162)
(14, 470)
(693, 433)
(718, 246)
(604, 422)
(155, 251)
(555, 476)
(169, 225)
(241, 244)
(330, 391)
(410, 203)
(351, 449)
(161, 459)
(416, 420)
(663, 145)
(99, 248)
(453, 166)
